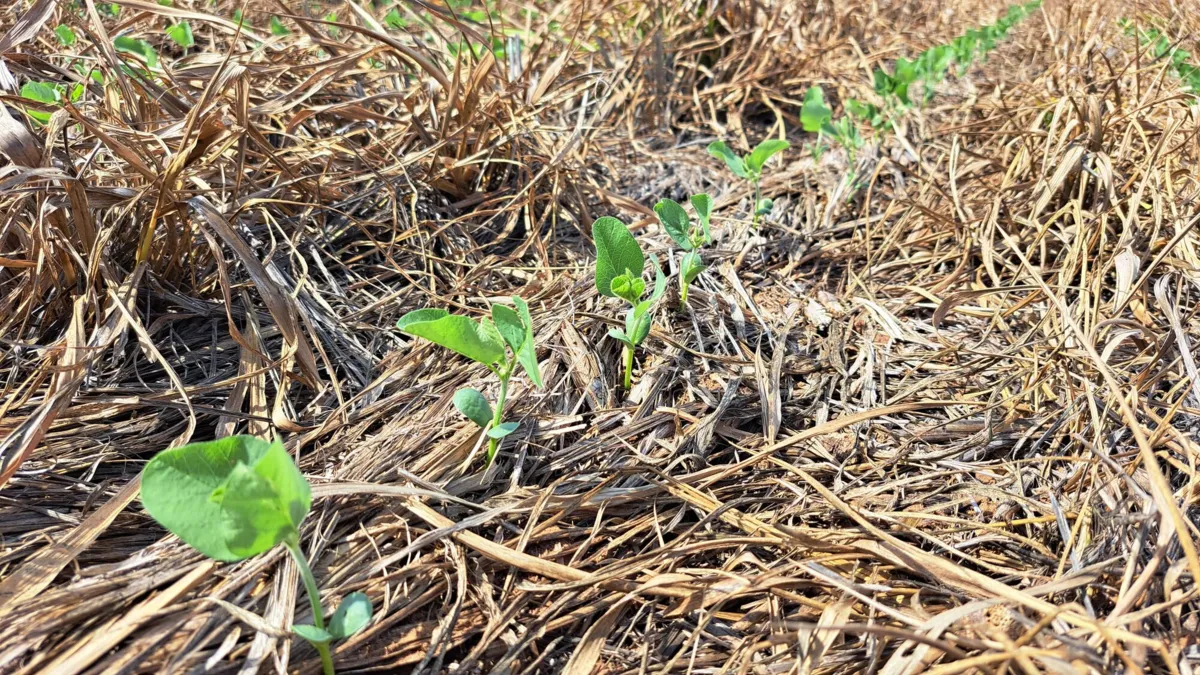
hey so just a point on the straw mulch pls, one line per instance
(937, 415)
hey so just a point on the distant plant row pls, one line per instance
(909, 83)
(1162, 47)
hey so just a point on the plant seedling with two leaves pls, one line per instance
(240, 496)
(750, 167)
(619, 267)
(690, 238)
(484, 342)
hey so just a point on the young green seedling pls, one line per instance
(690, 238)
(619, 267)
(483, 342)
(750, 168)
(235, 498)
(814, 115)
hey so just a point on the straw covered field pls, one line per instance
(915, 388)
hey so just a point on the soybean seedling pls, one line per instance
(619, 267)
(240, 496)
(690, 237)
(483, 342)
(750, 168)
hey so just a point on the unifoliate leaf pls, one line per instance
(181, 33)
(617, 253)
(660, 281)
(639, 327)
(676, 222)
(721, 151)
(527, 354)
(620, 336)
(351, 616)
(691, 266)
(501, 430)
(312, 633)
(509, 324)
(189, 490)
(253, 517)
(814, 112)
(763, 152)
(764, 206)
(704, 206)
(472, 404)
(42, 92)
(277, 27)
(140, 48)
(65, 34)
(395, 20)
(456, 333)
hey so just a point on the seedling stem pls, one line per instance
(502, 372)
(628, 367)
(314, 599)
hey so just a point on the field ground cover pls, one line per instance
(929, 403)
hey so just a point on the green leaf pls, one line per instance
(277, 27)
(140, 48)
(238, 17)
(620, 336)
(312, 633)
(691, 266)
(814, 112)
(334, 31)
(617, 252)
(501, 430)
(704, 206)
(457, 333)
(472, 404)
(628, 288)
(230, 498)
(65, 34)
(660, 282)
(527, 354)
(181, 33)
(763, 152)
(764, 206)
(721, 151)
(395, 20)
(42, 92)
(509, 325)
(351, 616)
(676, 222)
(638, 327)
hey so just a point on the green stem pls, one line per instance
(683, 289)
(754, 206)
(498, 416)
(314, 599)
(628, 367)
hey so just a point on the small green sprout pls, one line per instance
(137, 47)
(750, 168)
(690, 237)
(235, 498)
(394, 20)
(181, 33)
(277, 27)
(483, 342)
(619, 266)
(65, 34)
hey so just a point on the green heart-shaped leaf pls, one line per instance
(676, 222)
(509, 324)
(351, 616)
(763, 152)
(181, 33)
(723, 152)
(479, 342)
(620, 336)
(472, 404)
(65, 34)
(230, 498)
(617, 252)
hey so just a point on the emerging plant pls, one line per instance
(750, 168)
(619, 267)
(181, 33)
(483, 342)
(690, 238)
(235, 498)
